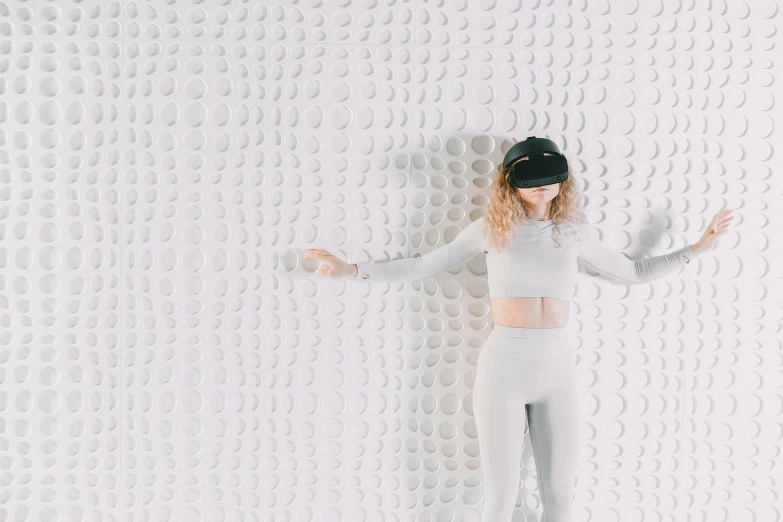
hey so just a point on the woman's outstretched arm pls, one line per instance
(462, 249)
(613, 263)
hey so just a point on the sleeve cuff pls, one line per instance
(688, 254)
(365, 270)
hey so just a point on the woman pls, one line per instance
(532, 232)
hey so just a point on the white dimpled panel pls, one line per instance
(167, 355)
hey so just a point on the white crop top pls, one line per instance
(533, 265)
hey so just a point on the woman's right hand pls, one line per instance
(335, 267)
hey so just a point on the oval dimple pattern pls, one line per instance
(167, 353)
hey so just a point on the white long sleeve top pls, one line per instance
(533, 265)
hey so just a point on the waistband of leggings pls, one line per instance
(532, 333)
(530, 344)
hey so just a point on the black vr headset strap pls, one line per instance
(531, 144)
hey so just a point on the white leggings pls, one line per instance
(527, 371)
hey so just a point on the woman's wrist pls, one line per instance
(697, 248)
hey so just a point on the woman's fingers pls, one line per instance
(722, 222)
(317, 253)
(723, 216)
(325, 257)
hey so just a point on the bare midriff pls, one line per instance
(530, 312)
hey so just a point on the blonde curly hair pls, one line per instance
(506, 209)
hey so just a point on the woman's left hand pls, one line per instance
(717, 227)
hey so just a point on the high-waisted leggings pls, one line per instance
(527, 373)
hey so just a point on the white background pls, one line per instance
(167, 354)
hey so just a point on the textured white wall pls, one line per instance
(167, 354)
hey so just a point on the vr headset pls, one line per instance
(537, 170)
